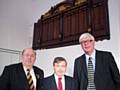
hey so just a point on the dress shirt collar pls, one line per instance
(25, 69)
(92, 55)
(93, 59)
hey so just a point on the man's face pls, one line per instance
(88, 46)
(60, 68)
(28, 57)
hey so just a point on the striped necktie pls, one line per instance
(30, 80)
(91, 84)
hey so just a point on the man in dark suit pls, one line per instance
(14, 77)
(106, 75)
(52, 82)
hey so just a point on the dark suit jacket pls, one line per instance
(106, 76)
(50, 83)
(14, 78)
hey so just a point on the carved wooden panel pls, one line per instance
(50, 31)
(36, 41)
(100, 24)
(74, 23)
(64, 23)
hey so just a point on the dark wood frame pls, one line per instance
(64, 23)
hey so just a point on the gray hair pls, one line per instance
(86, 36)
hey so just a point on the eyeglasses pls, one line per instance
(86, 41)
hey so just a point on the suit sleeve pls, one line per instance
(114, 72)
(41, 80)
(73, 85)
(42, 88)
(4, 79)
(76, 76)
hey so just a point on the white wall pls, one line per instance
(17, 18)
(7, 57)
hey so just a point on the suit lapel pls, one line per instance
(98, 64)
(67, 85)
(53, 83)
(22, 77)
(84, 66)
(38, 78)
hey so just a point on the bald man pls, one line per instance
(14, 77)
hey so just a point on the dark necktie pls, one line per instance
(59, 84)
(30, 80)
(91, 84)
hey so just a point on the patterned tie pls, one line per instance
(59, 84)
(91, 84)
(30, 80)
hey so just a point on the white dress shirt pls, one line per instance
(63, 81)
